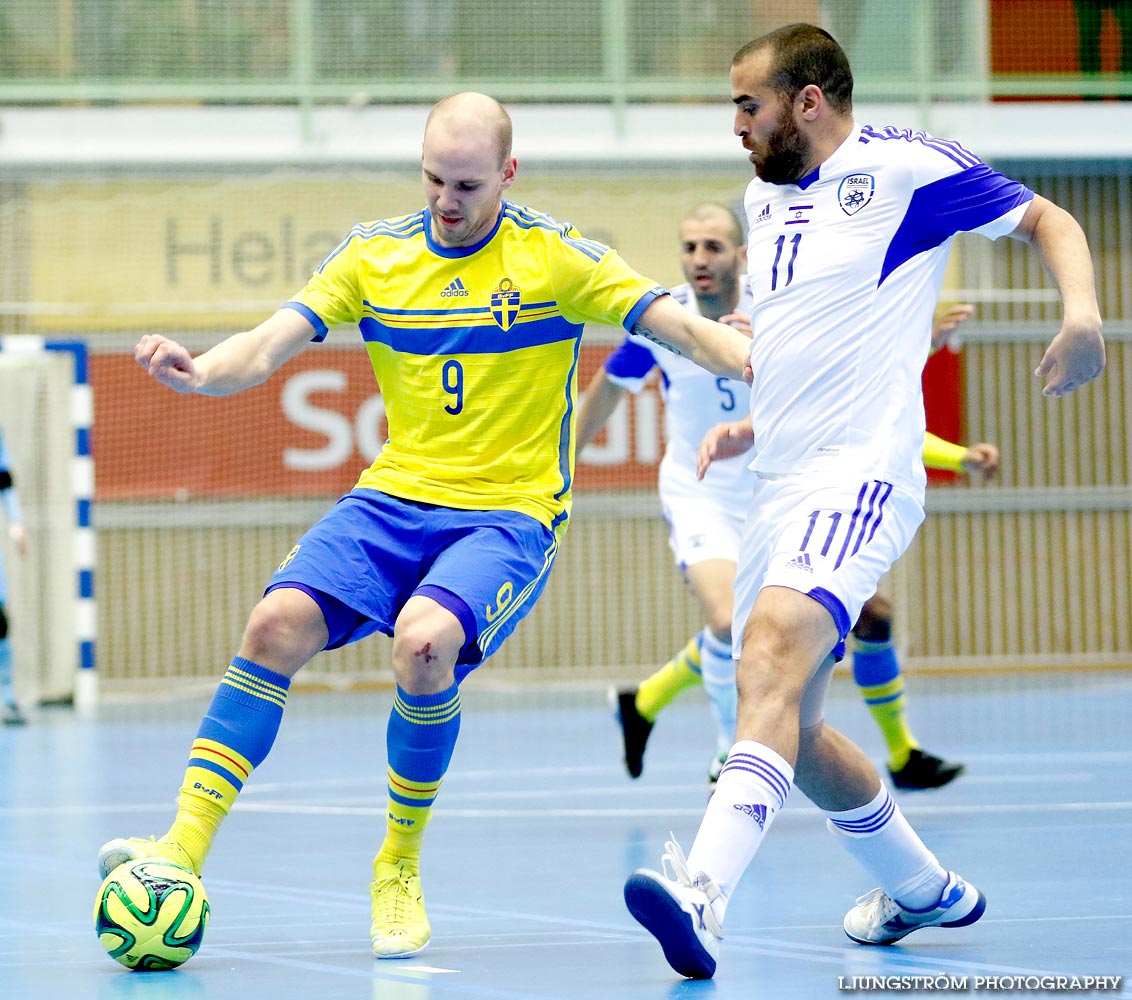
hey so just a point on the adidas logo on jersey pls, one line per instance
(801, 562)
(756, 811)
(764, 215)
(455, 290)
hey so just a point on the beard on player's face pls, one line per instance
(787, 151)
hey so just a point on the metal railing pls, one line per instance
(308, 52)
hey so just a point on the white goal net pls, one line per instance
(37, 417)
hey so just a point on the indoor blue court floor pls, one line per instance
(535, 831)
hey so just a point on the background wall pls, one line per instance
(184, 171)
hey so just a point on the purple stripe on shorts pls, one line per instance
(876, 524)
(852, 525)
(868, 516)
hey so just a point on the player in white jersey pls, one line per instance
(849, 231)
(705, 517)
(10, 501)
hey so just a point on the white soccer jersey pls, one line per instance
(845, 269)
(695, 400)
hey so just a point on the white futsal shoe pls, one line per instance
(676, 909)
(879, 919)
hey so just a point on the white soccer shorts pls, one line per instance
(703, 527)
(833, 543)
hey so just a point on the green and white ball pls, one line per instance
(151, 914)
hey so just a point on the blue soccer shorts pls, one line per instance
(367, 555)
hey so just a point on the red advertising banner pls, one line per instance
(943, 398)
(311, 429)
(308, 431)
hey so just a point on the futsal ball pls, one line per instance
(151, 914)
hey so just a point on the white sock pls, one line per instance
(886, 846)
(718, 671)
(752, 788)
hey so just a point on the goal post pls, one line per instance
(46, 410)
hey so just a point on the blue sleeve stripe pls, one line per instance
(526, 219)
(948, 147)
(643, 303)
(468, 339)
(954, 204)
(630, 361)
(524, 212)
(402, 228)
(335, 252)
(595, 251)
(311, 316)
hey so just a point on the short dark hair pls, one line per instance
(706, 209)
(805, 54)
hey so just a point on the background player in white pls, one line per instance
(10, 500)
(849, 230)
(705, 517)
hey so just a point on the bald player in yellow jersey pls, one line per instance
(471, 311)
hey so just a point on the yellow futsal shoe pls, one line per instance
(400, 927)
(117, 852)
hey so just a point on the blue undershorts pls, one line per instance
(367, 555)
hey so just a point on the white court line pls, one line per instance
(89, 809)
(470, 774)
(638, 812)
(661, 811)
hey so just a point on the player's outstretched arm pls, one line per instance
(980, 460)
(946, 323)
(1076, 355)
(19, 538)
(718, 348)
(240, 362)
(601, 399)
(10, 499)
(724, 441)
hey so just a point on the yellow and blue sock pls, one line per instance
(234, 737)
(876, 670)
(683, 671)
(420, 739)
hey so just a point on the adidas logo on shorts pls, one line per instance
(801, 562)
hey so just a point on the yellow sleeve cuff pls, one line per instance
(940, 454)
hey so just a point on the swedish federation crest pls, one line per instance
(505, 304)
(855, 192)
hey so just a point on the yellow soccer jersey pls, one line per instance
(475, 350)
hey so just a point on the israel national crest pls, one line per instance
(505, 303)
(855, 192)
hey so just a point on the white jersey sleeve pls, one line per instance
(695, 400)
